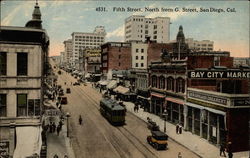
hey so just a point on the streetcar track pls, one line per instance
(92, 99)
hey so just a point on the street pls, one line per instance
(97, 138)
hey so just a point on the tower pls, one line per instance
(36, 21)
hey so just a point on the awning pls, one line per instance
(206, 108)
(103, 82)
(142, 97)
(178, 101)
(29, 141)
(157, 95)
(121, 89)
(112, 84)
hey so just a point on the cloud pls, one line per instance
(58, 18)
(10, 17)
(119, 32)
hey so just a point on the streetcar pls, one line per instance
(112, 111)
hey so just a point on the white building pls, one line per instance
(137, 28)
(241, 61)
(68, 51)
(204, 45)
(139, 55)
(82, 40)
(23, 62)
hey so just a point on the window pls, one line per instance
(22, 64)
(142, 65)
(142, 50)
(155, 37)
(137, 50)
(155, 26)
(162, 82)
(154, 81)
(170, 83)
(21, 104)
(119, 56)
(3, 63)
(3, 105)
(180, 85)
(146, 31)
(136, 57)
(119, 64)
(136, 64)
(142, 57)
(216, 61)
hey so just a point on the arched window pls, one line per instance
(180, 85)
(162, 82)
(170, 83)
(154, 81)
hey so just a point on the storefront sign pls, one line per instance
(218, 74)
(207, 97)
(4, 149)
(242, 102)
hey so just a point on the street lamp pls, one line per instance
(67, 115)
(165, 114)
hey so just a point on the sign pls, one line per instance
(207, 97)
(4, 149)
(93, 52)
(214, 131)
(242, 102)
(218, 74)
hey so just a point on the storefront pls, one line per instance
(175, 110)
(206, 122)
(157, 102)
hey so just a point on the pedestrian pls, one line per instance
(80, 120)
(53, 127)
(56, 156)
(58, 129)
(177, 129)
(65, 83)
(222, 150)
(229, 147)
(180, 129)
(179, 155)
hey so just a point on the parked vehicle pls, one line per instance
(63, 100)
(68, 90)
(158, 140)
(152, 125)
(76, 83)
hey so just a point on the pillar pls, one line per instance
(171, 107)
(185, 113)
(200, 125)
(208, 125)
(179, 110)
(12, 139)
(218, 130)
(192, 120)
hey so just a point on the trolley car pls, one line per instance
(112, 111)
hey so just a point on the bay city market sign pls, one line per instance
(206, 74)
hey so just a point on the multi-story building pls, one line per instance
(203, 92)
(195, 45)
(82, 40)
(68, 51)
(241, 62)
(138, 27)
(115, 56)
(23, 55)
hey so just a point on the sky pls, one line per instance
(228, 30)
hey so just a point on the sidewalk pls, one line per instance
(59, 145)
(193, 142)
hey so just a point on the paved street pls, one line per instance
(97, 138)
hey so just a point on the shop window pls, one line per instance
(21, 104)
(3, 63)
(3, 105)
(22, 64)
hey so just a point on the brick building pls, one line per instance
(115, 56)
(213, 107)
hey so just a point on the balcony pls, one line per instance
(219, 99)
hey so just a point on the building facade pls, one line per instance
(81, 40)
(137, 28)
(68, 51)
(115, 56)
(23, 59)
(214, 107)
(238, 62)
(195, 45)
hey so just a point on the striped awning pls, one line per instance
(174, 100)
(157, 95)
